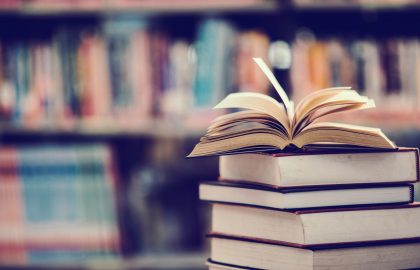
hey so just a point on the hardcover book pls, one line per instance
(322, 167)
(295, 198)
(321, 227)
(237, 253)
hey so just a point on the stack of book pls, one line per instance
(297, 193)
(337, 209)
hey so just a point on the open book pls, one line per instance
(267, 125)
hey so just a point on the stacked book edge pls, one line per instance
(317, 210)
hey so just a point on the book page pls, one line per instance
(258, 102)
(317, 95)
(330, 109)
(328, 97)
(327, 132)
(235, 144)
(328, 102)
(240, 129)
(283, 96)
(237, 116)
(228, 121)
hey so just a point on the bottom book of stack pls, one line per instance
(254, 254)
(375, 237)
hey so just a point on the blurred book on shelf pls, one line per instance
(386, 70)
(58, 208)
(353, 3)
(63, 6)
(249, 77)
(126, 72)
(215, 46)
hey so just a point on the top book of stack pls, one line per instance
(320, 168)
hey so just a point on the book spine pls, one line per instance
(11, 209)
(63, 203)
(67, 43)
(384, 70)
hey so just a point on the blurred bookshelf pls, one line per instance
(156, 129)
(107, 97)
(41, 7)
(186, 261)
(355, 5)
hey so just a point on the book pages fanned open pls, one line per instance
(265, 124)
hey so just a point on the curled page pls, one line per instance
(258, 102)
(277, 86)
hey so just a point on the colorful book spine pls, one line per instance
(125, 70)
(58, 207)
(12, 219)
(385, 70)
(214, 53)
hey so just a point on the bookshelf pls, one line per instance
(385, 37)
(187, 261)
(192, 261)
(151, 131)
(355, 5)
(155, 130)
(148, 6)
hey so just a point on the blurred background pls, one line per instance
(101, 100)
